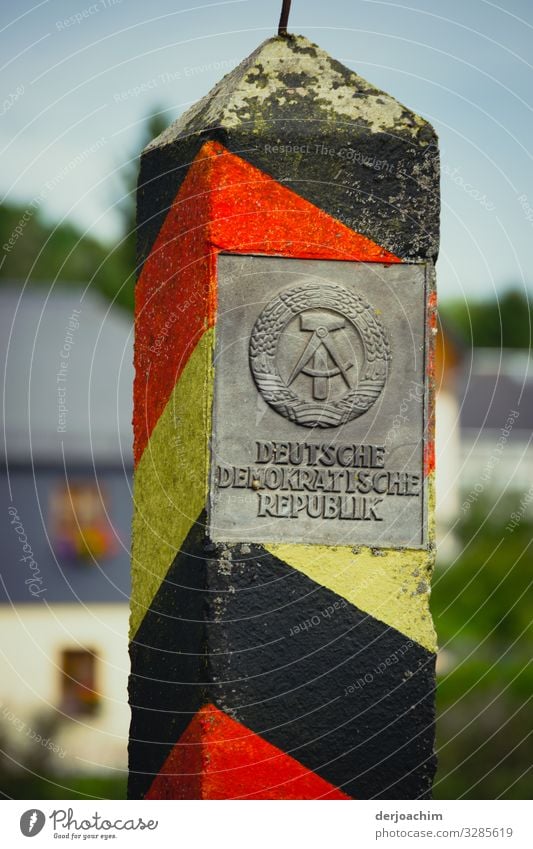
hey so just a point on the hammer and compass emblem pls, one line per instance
(322, 309)
(321, 351)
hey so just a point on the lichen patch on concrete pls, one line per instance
(294, 73)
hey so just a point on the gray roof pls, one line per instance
(74, 581)
(58, 344)
(494, 385)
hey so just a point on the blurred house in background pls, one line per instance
(448, 360)
(66, 358)
(496, 399)
(484, 427)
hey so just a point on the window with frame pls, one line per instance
(79, 695)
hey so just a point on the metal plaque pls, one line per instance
(320, 403)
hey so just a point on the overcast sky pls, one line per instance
(68, 90)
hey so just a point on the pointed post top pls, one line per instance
(292, 79)
(318, 127)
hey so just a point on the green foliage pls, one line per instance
(153, 126)
(29, 770)
(482, 743)
(484, 585)
(45, 254)
(66, 787)
(42, 252)
(481, 613)
(504, 322)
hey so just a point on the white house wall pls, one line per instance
(448, 457)
(32, 638)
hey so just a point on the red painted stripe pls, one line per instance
(431, 324)
(224, 204)
(252, 213)
(173, 301)
(218, 758)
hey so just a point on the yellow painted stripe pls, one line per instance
(391, 585)
(170, 482)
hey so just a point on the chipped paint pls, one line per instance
(223, 683)
(170, 481)
(270, 75)
(384, 586)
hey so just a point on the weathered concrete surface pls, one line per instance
(319, 659)
(295, 664)
(318, 127)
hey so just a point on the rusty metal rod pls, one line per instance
(284, 17)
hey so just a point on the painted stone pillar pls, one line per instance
(281, 639)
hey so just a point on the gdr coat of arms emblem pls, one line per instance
(319, 355)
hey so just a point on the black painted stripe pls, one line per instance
(168, 665)
(344, 694)
(161, 173)
(356, 194)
